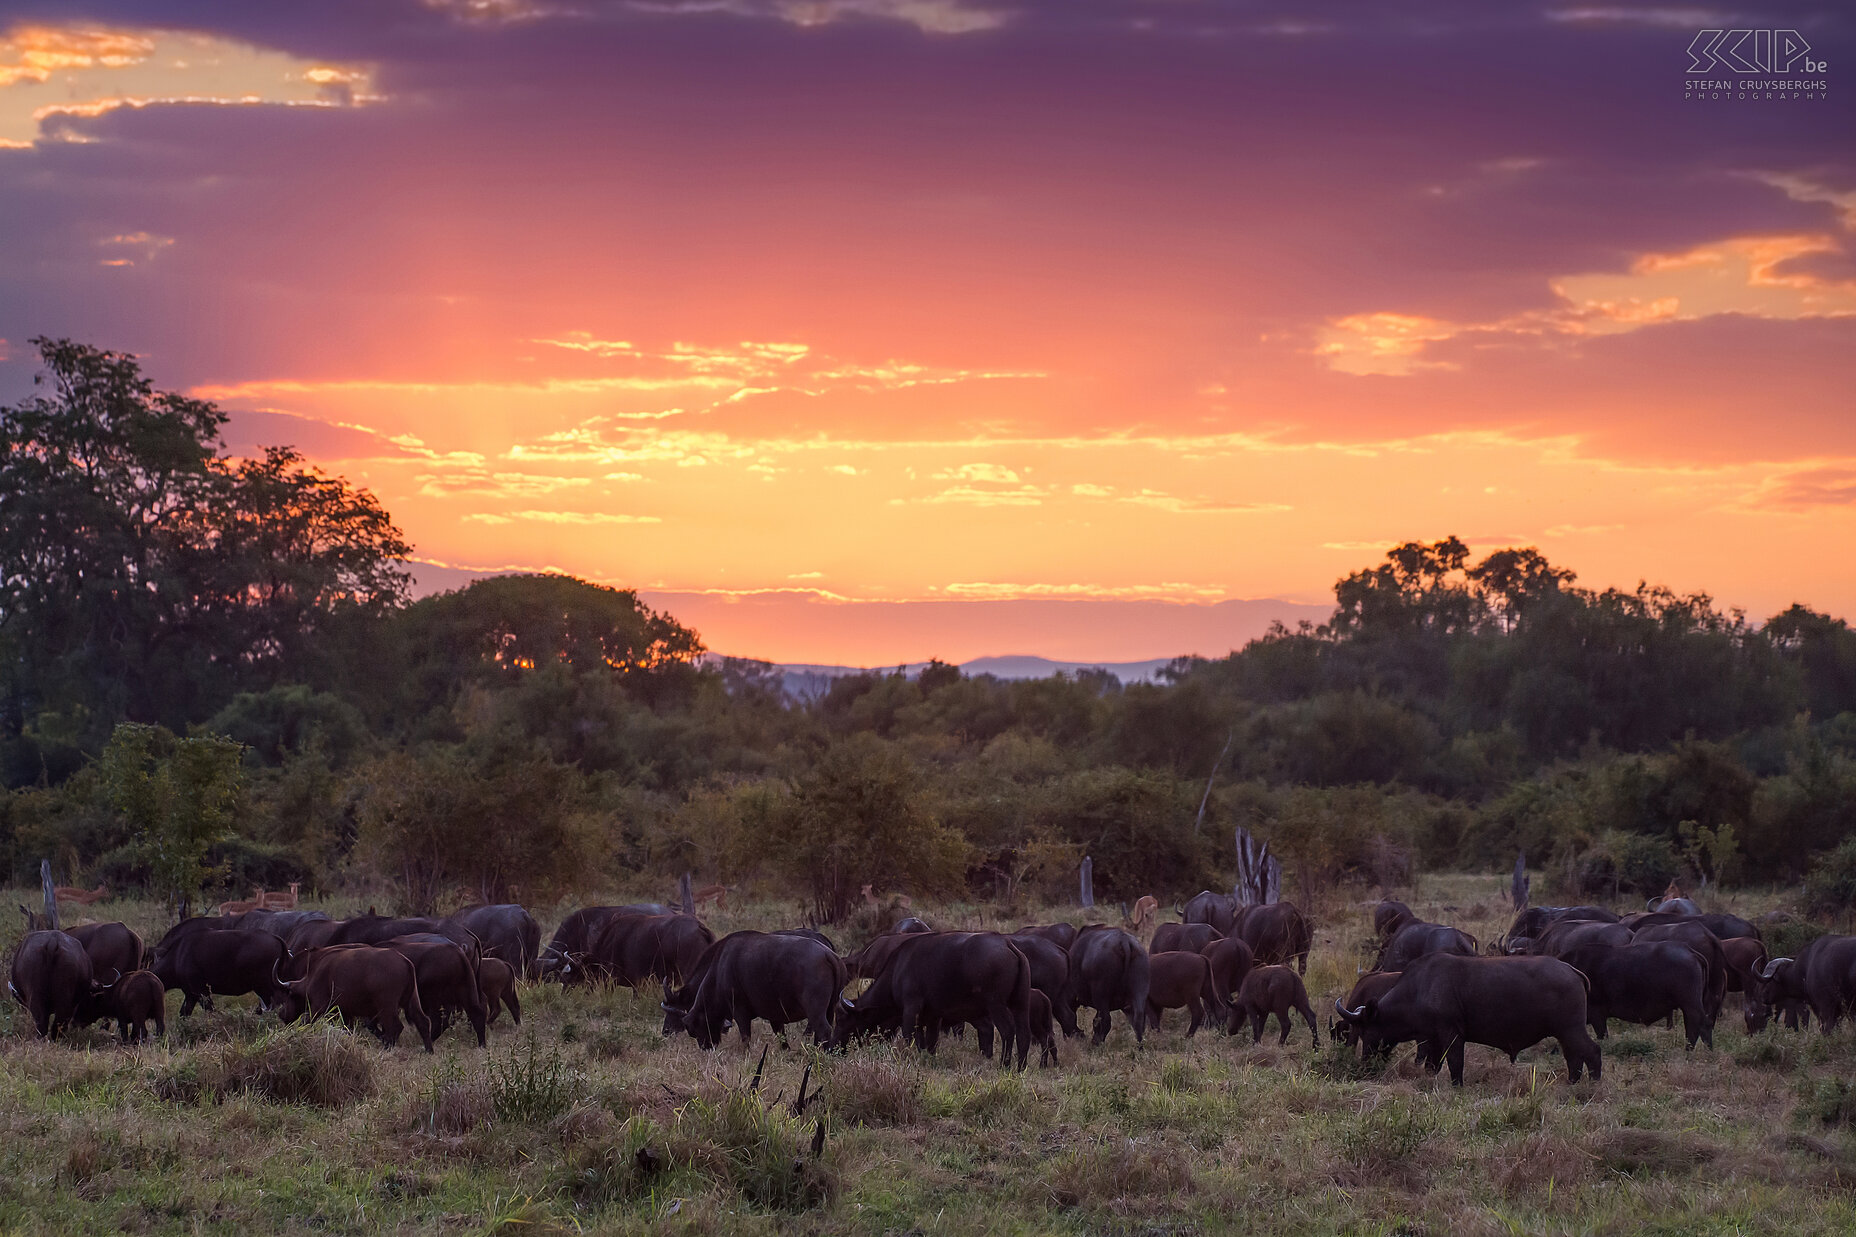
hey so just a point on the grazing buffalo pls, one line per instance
(132, 1002)
(975, 977)
(1369, 987)
(1569, 934)
(1416, 939)
(1822, 977)
(1277, 933)
(498, 981)
(1644, 982)
(1217, 909)
(1531, 922)
(363, 983)
(1231, 961)
(1691, 933)
(1389, 916)
(1062, 934)
(748, 975)
(378, 929)
(187, 929)
(1191, 937)
(447, 978)
(1510, 1004)
(206, 964)
(1181, 979)
(1271, 990)
(51, 977)
(1109, 971)
(632, 949)
(507, 932)
(113, 947)
(1050, 974)
(1745, 955)
(564, 957)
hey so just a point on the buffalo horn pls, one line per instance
(1771, 968)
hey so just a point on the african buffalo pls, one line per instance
(1217, 909)
(111, 946)
(811, 934)
(1691, 933)
(1181, 979)
(1532, 921)
(131, 1003)
(1822, 977)
(868, 962)
(573, 940)
(51, 977)
(748, 975)
(974, 977)
(632, 949)
(1416, 939)
(1277, 933)
(1062, 934)
(1050, 974)
(1445, 1001)
(364, 983)
(277, 923)
(1271, 990)
(1389, 916)
(1231, 961)
(1644, 982)
(447, 978)
(1192, 937)
(508, 932)
(1369, 987)
(376, 929)
(1109, 971)
(911, 924)
(498, 981)
(210, 963)
(1570, 934)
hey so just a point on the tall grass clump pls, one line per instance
(315, 1064)
(763, 1153)
(529, 1086)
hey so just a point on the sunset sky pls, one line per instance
(902, 309)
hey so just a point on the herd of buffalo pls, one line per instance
(1557, 972)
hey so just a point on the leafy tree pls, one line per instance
(144, 576)
(179, 798)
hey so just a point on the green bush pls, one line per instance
(1830, 884)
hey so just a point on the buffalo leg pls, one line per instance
(1308, 1016)
(1455, 1056)
(1197, 1009)
(982, 1034)
(1257, 1018)
(1282, 1016)
(1101, 1028)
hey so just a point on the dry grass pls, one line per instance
(586, 1119)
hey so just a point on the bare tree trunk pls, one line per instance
(683, 892)
(1259, 873)
(1517, 892)
(51, 895)
(1087, 877)
(1210, 778)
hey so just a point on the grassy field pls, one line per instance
(586, 1120)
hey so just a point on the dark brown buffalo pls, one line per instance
(207, 964)
(1389, 916)
(114, 948)
(1217, 909)
(1369, 987)
(1271, 990)
(1510, 1004)
(448, 982)
(1277, 933)
(1191, 937)
(506, 931)
(1050, 974)
(564, 958)
(498, 981)
(1746, 957)
(1822, 978)
(748, 975)
(1109, 971)
(811, 934)
(1416, 939)
(1644, 982)
(363, 983)
(310, 934)
(1231, 961)
(1531, 922)
(189, 928)
(635, 949)
(51, 977)
(932, 978)
(1690, 932)
(277, 923)
(868, 962)
(132, 1002)
(1181, 979)
(1063, 934)
(1568, 934)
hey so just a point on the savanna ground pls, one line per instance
(585, 1119)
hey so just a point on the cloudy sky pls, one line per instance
(872, 302)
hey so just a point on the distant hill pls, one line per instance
(804, 682)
